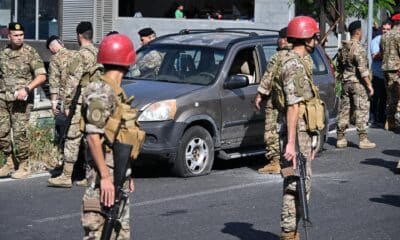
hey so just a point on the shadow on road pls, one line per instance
(393, 200)
(392, 152)
(245, 231)
(381, 163)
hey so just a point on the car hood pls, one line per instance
(152, 91)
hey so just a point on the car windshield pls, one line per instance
(177, 64)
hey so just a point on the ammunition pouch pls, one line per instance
(313, 113)
(91, 205)
(123, 126)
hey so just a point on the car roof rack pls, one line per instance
(249, 31)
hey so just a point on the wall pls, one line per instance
(268, 14)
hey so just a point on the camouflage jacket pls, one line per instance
(272, 68)
(390, 46)
(99, 103)
(352, 61)
(61, 70)
(18, 68)
(88, 56)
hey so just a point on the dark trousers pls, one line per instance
(378, 101)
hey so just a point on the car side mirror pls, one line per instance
(236, 81)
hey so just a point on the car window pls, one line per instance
(319, 66)
(179, 64)
(244, 63)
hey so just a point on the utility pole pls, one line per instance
(369, 36)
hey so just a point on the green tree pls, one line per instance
(353, 8)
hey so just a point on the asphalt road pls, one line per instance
(355, 195)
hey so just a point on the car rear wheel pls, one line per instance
(195, 155)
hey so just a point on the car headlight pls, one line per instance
(159, 111)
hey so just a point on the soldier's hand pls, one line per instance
(66, 112)
(21, 94)
(54, 108)
(131, 185)
(290, 153)
(107, 191)
(258, 101)
(370, 91)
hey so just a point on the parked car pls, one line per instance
(195, 93)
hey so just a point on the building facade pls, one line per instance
(43, 18)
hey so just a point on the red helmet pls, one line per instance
(302, 27)
(116, 49)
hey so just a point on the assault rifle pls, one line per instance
(121, 154)
(68, 119)
(301, 190)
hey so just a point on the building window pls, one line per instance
(39, 17)
(200, 9)
(6, 13)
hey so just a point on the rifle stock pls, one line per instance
(121, 154)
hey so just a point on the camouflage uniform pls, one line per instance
(17, 69)
(79, 67)
(271, 136)
(353, 65)
(100, 95)
(295, 74)
(148, 65)
(60, 71)
(390, 45)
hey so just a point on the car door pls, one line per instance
(242, 125)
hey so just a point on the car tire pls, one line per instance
(195, 155)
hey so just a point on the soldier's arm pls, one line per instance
(54, 79)
(291, 72)
(75, 73)
(39, 71)
(264, 89)
(360, 56)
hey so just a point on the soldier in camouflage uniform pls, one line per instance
(148, 65)
(390, 45)
(353, 66)
(81, 68)
(271, 136)
(60, 71)
(296, 72)
(99, 103)
(21, 71)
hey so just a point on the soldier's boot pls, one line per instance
(81, 183)
(64, 180)
(365, 143)
(398, 167)
(8, 167)
(24, 171)
(272, 168)
(290, 235)
(341, 141)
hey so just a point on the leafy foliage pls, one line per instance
(353, 8)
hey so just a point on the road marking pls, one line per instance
(167, 199)
(192, 195)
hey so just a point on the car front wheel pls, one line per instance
(195, 155)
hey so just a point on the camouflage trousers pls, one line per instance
(93, 220)
(74, 137)
(14, 115)
(393, 96)
(290, 212)
(271, 135)
(354, 96)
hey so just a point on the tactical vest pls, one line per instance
(122, 125)
(311, 110)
